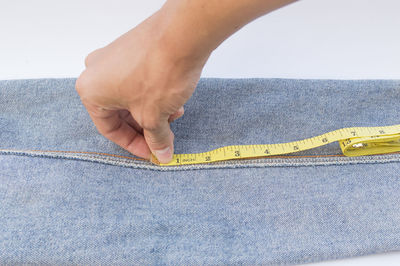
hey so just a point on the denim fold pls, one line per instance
(70, 196)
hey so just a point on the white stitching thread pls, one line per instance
(244, 163)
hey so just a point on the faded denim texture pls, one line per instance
(70, 196)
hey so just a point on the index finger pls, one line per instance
(111, 126)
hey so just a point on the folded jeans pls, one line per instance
(68, 195)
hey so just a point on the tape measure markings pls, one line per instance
(354, 141)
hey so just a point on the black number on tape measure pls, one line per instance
(346, 141)
(266, 151)
(324, 140)
(381, 132)
(295, 147)
(177, 160)
(208, 158)
(237, 153)
(353, 132)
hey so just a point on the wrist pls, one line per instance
(178, 37)
(197, 27)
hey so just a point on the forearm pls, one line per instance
(197, 27)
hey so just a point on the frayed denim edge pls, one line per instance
(243, 163)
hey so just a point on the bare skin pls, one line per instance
(137, 85)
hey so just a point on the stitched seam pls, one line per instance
(269, 161)
(141, 159)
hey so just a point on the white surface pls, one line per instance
(342, 39)
(335, 39)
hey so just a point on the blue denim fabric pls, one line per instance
(70, 196)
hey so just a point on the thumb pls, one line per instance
(160, 140)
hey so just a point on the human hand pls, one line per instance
(135, 86)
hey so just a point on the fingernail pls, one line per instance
(164, 156)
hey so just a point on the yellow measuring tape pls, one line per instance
(354, 141)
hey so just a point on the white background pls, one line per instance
(337, 39)
(330, 39)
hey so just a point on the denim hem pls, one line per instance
(117, 160)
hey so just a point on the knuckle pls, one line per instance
(80, 83)
(151, 123)
(87, 60)
(91, 57)
(83, 83)
(181, 112)
(110, 132)
(157, 142)
(159, 139)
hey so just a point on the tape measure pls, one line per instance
(354, 141)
